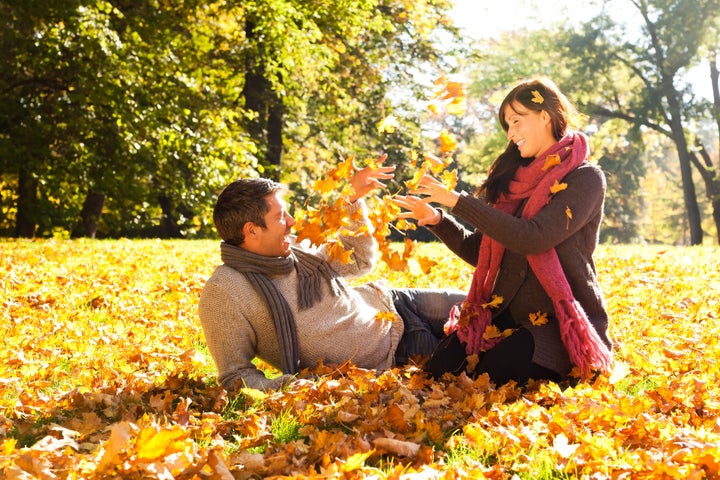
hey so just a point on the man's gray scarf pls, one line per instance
(310, 270)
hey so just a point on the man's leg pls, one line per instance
(424, 313)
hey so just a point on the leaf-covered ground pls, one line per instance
(104, 374)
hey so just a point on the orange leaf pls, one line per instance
(492, 331)
(551, 161)
(154, 444)
(386, 317)
(539, 318)
(426, 264)
(336, 251)
(494, 302)
(448, 143)
(557, 187)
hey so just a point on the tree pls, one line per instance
(122, 118)
(638, 74)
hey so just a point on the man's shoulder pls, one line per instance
(225, 275)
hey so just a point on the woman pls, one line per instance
(535, 308)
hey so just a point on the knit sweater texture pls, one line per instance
(238, 327)
(574, 237)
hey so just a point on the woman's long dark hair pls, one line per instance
(537, 95)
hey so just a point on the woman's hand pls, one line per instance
(436, 192)
(368, 179)
(417, 209)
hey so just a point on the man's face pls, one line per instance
(272, 240)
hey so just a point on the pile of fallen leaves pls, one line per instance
(104, 374)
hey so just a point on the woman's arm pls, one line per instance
(565, 214)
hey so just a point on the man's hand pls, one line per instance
(368, 179)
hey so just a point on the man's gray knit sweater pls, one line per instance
(238, 327)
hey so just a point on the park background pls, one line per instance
(123, 119)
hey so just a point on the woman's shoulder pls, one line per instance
(588, 173)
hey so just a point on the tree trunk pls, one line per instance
(27, 204)
(266, 126)
(712, 183)
(715, 82)
(689, 193)
(274, 136)
(170, 227)
(89, 216)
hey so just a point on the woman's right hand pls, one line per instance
(418, 209)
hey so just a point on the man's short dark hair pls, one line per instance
(240, 202)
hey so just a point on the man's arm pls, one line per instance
(231, 339)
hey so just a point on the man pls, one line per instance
(288, 306)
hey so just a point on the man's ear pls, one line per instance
(249, 230)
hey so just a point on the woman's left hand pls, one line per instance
(436, 192)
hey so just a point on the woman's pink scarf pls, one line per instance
(585, 347)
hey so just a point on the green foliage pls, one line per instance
(150, 104)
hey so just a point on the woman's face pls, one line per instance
(531, 131)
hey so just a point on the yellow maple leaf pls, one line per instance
(426, 264)
(492, 331)
(413, 183)
(325, 185)
(537, 98)
(153, 443)
(494, 302)
(456, 107)
(336, 251)
(434, 163)
(538, 318)
(356, 461)
(345, 169)
(388, 124)
(405, 224)
(551, 161)
(448, 143)
(449, 179)
(395, 261)
(557, 187)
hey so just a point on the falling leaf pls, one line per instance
(538, 318)
(337, 251)
(491, 332)
(448, 143)
(557, 187)
(426, 264)
(413, 183)
(495, 302)
(449, 179)
(388, 124)
(551, 161)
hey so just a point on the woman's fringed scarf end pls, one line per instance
(585, 348)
